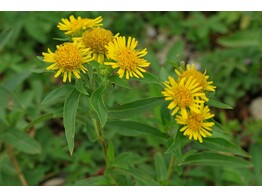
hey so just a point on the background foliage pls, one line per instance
(227, 44)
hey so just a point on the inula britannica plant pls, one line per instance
(96, 66)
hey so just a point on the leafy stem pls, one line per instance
(170, 167)
(14, 161)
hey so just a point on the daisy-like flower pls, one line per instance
(67, 59)
(76, 26)
(196, 125)
(201, 78)
(183, 95)
(126, 58)
(96, 39)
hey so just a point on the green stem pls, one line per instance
(170, 167)
(101, 139)
(16, 165)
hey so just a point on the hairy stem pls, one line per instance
(101, 139)
(16, 165)
(170, 167)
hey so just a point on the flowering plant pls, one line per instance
(102, 61)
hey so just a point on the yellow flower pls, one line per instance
(195, 124)
(96, 39)
(68, 58)
(126, 58)
(183, 94)
(200, 77)
(76, 26)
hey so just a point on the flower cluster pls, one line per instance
(89, 41)
(187, 94)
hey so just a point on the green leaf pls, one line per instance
(119, 81)
(110, 152)
(80, 87)
(223, 145)
(5, 36)
(42, 118)
(69, 118)
(8, 99)
(93, 181)
(249, 38)
(218, 104)
(160, 166)
(16, 80)
(98, 105)
(56, 94)
(21, 141)
(215, 159)
(178, 142)
(135, 107)
(139, 175)
(149, 78)
(41, 58)
(131, 128)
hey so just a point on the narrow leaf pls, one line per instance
(21, 141)
(118, 81)
(69, 118)
(215, 159)
(223, 145)
(218, 104)
(110, 152)
(56, 94)
(80, 87)
(139, 175)
(133, 108)
(132, 128)
(98, 105)
(160, 166)
(149, 78)
(5, 36)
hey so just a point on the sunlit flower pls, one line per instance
(183, 94)
(68, 58)
(196, 125)
(96, 39)
(126, 58)
(76, 26)
(199, 76)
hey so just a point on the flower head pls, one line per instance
(124, 57)
(76, 26)
(96, 39)
(183, 95)
(200, 77)
(195, 124)
(68, 58)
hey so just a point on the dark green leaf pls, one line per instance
(119, 81)
(218, 104)
(98, 105)
(80, 87)
(215, 159)
(93, 181)
(135, 107)
(160, 166)
(5, 36)
(41, 118)
(178, 142)
(110, 152)
(223, 145)
(131, 128)
(139, 175)
(149, 78)
(16, 80)
(8, 99)
(21, 141)
(69, 118)
(56, 94)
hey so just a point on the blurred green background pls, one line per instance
(227, 44)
